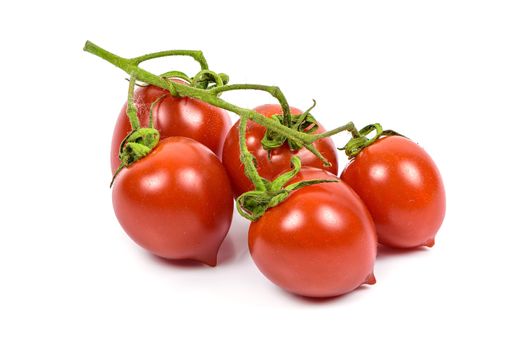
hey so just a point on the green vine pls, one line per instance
(207, 86)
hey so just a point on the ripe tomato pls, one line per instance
(319, 242)
(280, 158)
(174, 116)
(176, 202)
(402, 188)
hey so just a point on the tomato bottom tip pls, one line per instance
(371, 280)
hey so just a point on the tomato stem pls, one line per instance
(347, 127)
(196, 54)
(130, 67)
(247, 158)
(200, 75)
(272, 90)
(176, 74)
(131, 108)
(211, 96)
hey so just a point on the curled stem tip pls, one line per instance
(361, 140)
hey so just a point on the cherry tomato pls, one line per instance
(280, 158)
(402, 188)
(319, 242)
(176, 202)
(174, 116)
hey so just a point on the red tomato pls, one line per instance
(280, 158)
(319, 242)
(176, 202)
(402, 188)
(174, 116)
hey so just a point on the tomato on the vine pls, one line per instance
(280, 158)
(319, 242)
(403, 190)
(174, 116)
(176, 202)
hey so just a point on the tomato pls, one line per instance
(176, 202)
(174, 116)
(319, 242)
(403, 190)
(280, 158)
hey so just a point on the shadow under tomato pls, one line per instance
(235, 246)
(181, 263)
(226, 253)
(384, 252)
(324, 300)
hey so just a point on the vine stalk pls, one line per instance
(264, 189)
(130, 66)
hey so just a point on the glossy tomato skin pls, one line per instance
(174, 116)
(280, 158)
(403, 190)
(319, 242)
(176, 202)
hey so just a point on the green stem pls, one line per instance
(348, 127)
(176, 74)
(247, 158)
(196, 54)
(304, 115)
(203, 72)
(183, 90)
(272, 90)
(131, 108)
(210, 96)
(355, 133)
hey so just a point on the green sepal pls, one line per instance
(304, 122)
(357, 144)
(302, 184)
(135, 146)
(284, 178)
(148, 137)
(253, 204)
(132, 152)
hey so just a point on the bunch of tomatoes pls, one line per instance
(179, 164)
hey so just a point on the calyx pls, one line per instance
(361, 140)
(253, 204)
(135, 146)
(304, 122)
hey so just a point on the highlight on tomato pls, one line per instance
(311, 233)
(176, 202)
(279, 159)
(319, 242)
(173, 116)
(402, 189)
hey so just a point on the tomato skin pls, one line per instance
(319, 242)
(176, 202)
(403, 190)
(280, 158)
(174, 116)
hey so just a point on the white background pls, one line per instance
(450, 74)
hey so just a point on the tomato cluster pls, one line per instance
(312, 233)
